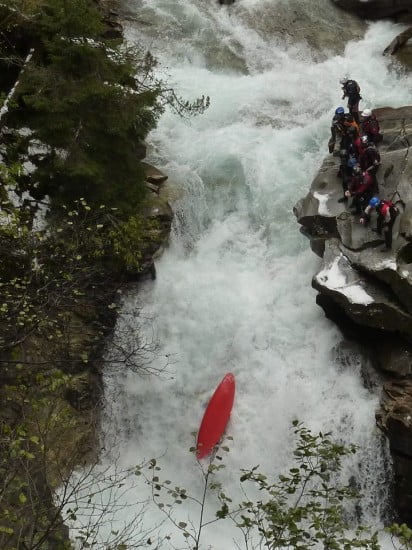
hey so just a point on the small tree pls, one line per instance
(304, 508)
(166, 496)
(301, 510)
(51, 478)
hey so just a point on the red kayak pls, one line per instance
(216, 416)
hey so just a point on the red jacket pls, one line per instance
(370, 127)
(361, 184)
(357, 142)
(386, 210)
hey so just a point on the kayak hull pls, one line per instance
(216, 416)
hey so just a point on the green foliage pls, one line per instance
(70, 19)
(36, 426)
(401, 536)
(53, 280)
(304, 508)
(48, 272)
(89, 102)
(128, 239)
(166, 496)
(92, 123)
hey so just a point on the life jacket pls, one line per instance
(348, 124)
(350, 121)
(365, 185)
(338, 121)
(358, 146)
(337, 129)
(351, 88)
(355, 183)
(371, 126)
(385, 208)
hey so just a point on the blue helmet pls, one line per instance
(374, 202)
(339, 111)
(352, 162)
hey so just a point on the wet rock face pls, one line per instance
(395, 419)
(371, 289)
(376, 9)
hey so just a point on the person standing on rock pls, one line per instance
(351, 90)
(348, 160)
(351, 142)
(337, 129)
(387, 214)
(360, 188)
(357, 145)
(370, 159)
(370, 126)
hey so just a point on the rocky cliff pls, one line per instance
(368, 291)
(376, 9)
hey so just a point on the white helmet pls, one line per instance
(364, 140)
(344, 80)
(366, 113)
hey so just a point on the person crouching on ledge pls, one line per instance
(387, 214)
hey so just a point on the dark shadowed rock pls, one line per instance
(395, 419)
(376, 9)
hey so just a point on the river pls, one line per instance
(233, 290)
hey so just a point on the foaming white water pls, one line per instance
(233, 291)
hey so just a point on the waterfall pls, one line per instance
(233, 290)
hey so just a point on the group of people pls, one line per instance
(356, 135)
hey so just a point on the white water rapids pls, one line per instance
(233, 290)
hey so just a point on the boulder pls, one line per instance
(365, 300)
